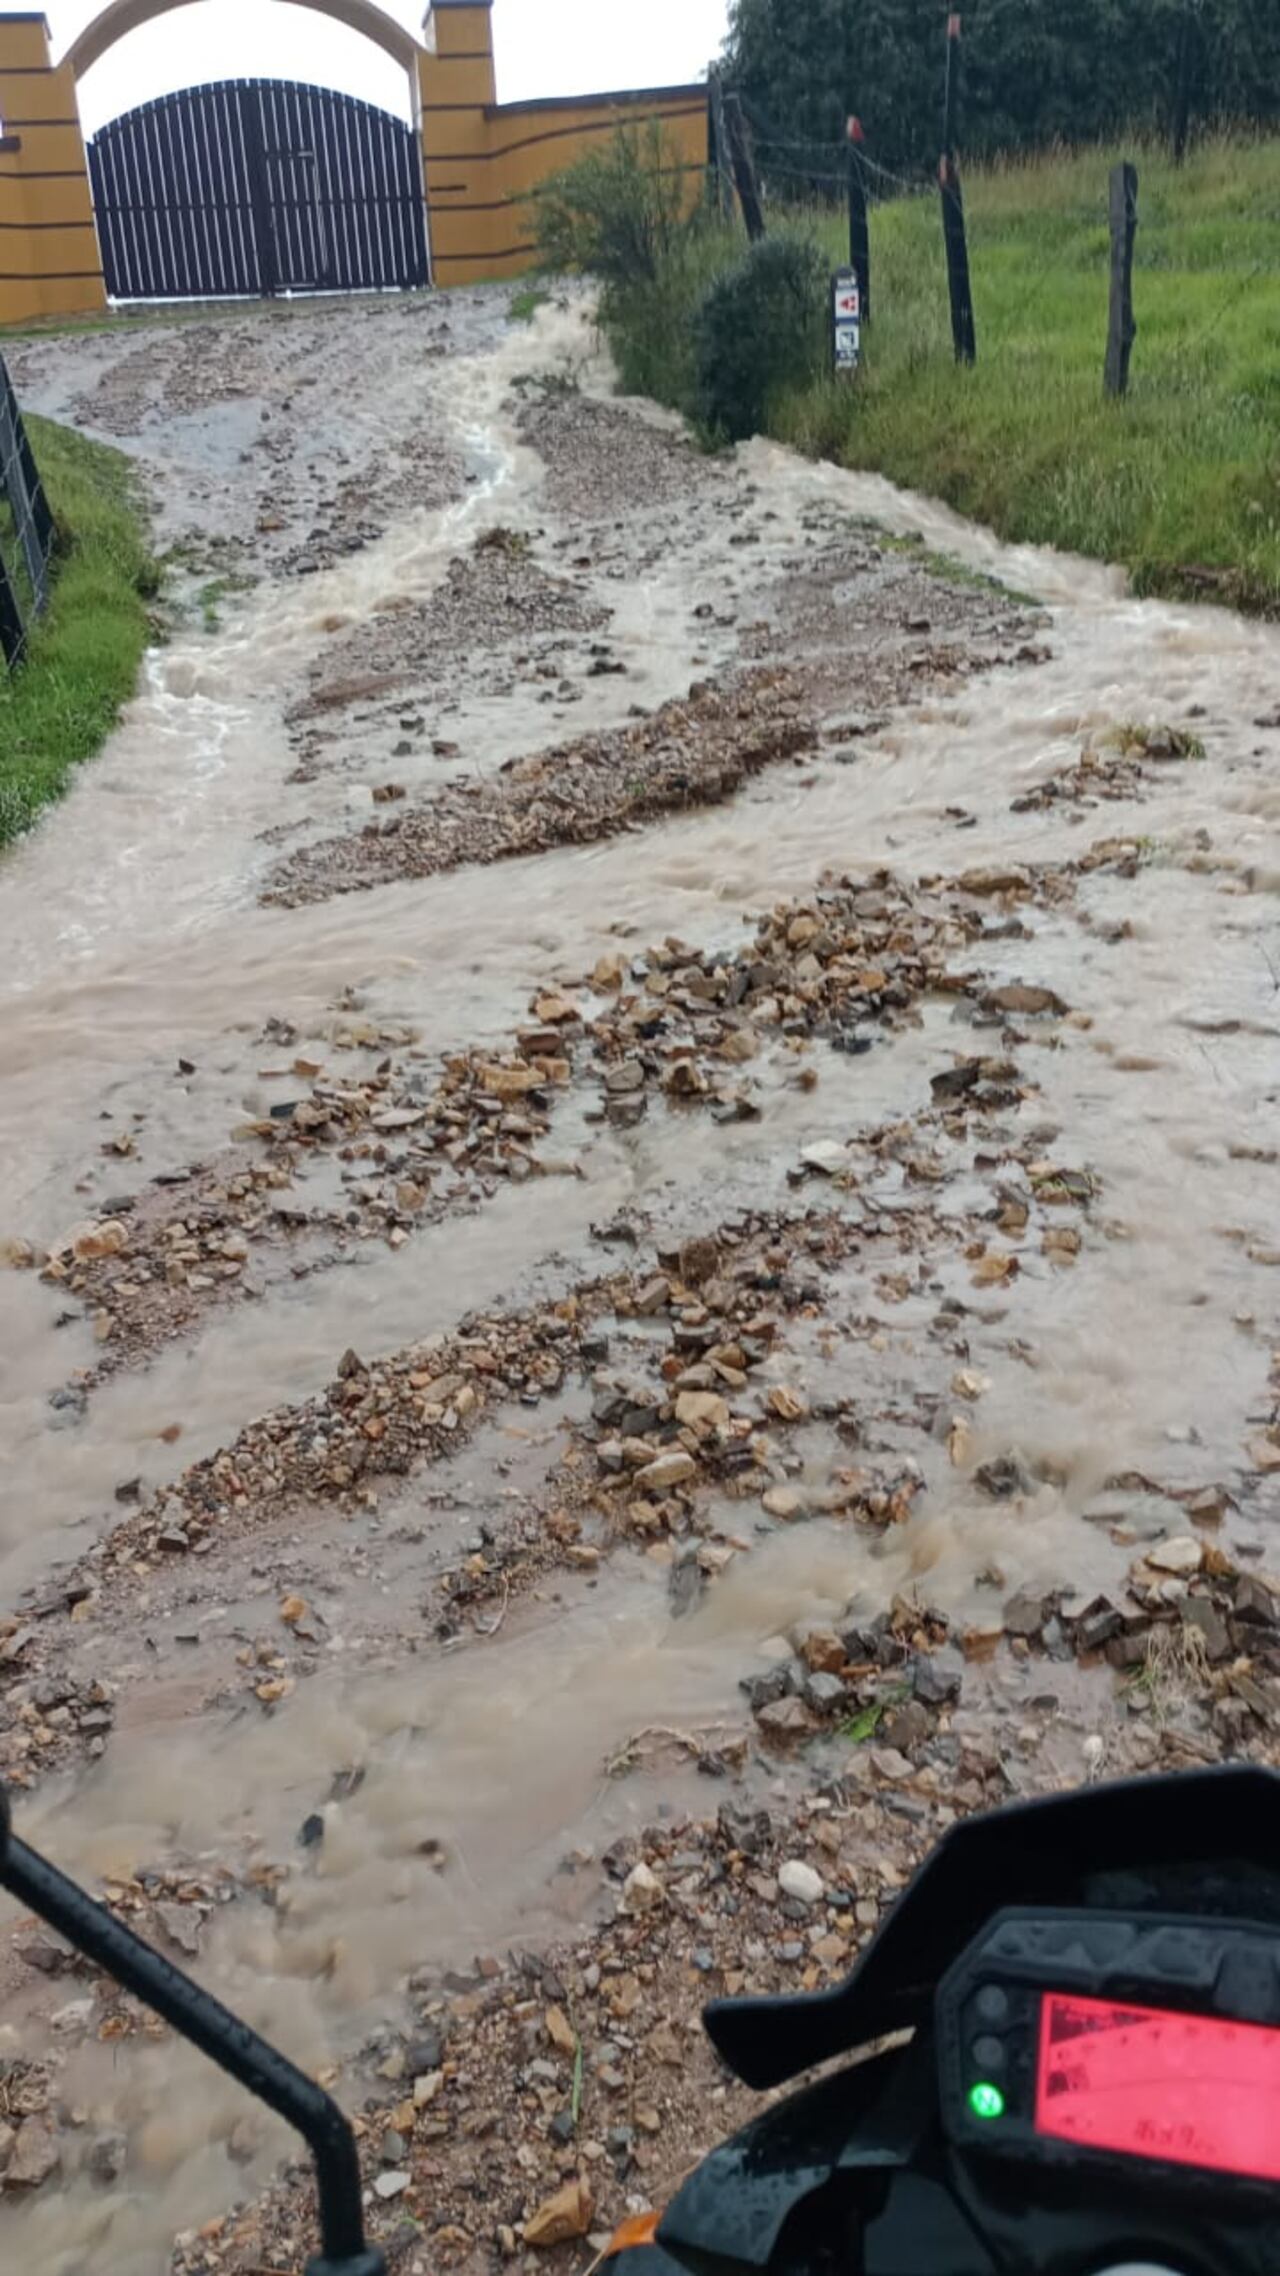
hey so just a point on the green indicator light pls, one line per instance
(986, 2102)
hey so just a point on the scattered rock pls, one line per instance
(642, 1891)
(798, 1880)
(787, 1720)
(1025, 1614)
(1180, 1555)
(567, 2215)
(674, 1469)
(561, 2032)
(787, 1403)
(36, 2154)
(108, 2155)
(782, 1502)
(424, 2054)
(1002, 1479)
(181, 1925)
(1020, 998)
(699, 1261)
(938, 1677)
(906, 1726)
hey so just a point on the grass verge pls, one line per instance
(1180, 482)
(83, 658)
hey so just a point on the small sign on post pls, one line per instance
(846, 321)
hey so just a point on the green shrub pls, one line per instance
(620, 214)
(652, 328)
(762, 328)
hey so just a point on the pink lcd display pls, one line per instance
(1189, 2089)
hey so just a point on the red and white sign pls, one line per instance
(846, 303)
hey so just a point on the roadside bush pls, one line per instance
(761, 329)
(620, 214)
(653, 328)
(627, 215)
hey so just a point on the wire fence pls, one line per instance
(26, 530)
(822, 168)
(795, 168)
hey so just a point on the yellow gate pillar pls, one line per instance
(49, 259)
(458, 91)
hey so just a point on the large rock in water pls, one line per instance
(37, 2154)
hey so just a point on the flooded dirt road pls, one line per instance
(639, 1176)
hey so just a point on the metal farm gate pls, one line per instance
(257, 186)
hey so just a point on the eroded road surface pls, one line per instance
(640, 1162)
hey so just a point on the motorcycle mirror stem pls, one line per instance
(206, 2024)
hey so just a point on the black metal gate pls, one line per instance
(258, 186)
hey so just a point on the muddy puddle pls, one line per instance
(1050, 1386)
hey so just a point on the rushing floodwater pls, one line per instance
(130, 936)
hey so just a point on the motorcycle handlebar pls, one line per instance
(206, 2024)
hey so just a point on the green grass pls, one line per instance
(526, 303)
(1181, 481)
(211, 596)
(83, 657)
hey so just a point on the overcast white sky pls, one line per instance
(544, 47)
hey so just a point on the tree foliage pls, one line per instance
(1035, 72)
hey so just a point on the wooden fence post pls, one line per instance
(1182, 90)
(963, 331)
(859, 231)
(744, 168)
(720, 137)
(12, 632)
(1123, 331)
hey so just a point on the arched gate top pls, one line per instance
(120, 17)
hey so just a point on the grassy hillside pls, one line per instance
(83, 658)
(1181, 481)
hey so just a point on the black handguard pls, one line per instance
(206, 2024)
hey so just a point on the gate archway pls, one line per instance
(120, 17)
(258, 186)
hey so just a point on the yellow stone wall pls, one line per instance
(480, 160)
(49, 259)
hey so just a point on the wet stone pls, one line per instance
(1200, 1613)
(107, 2158)
(424, 2054)
(938, 1677)
(1025, 1615)
(907, 1726)
(826, 1694)
(1004, 1478)
(763, 1690)
(36, 2154)
(1097, 1625)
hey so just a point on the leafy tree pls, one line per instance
(1035, 71)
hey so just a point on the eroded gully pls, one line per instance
(132, 942)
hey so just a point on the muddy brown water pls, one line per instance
(131, 937)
